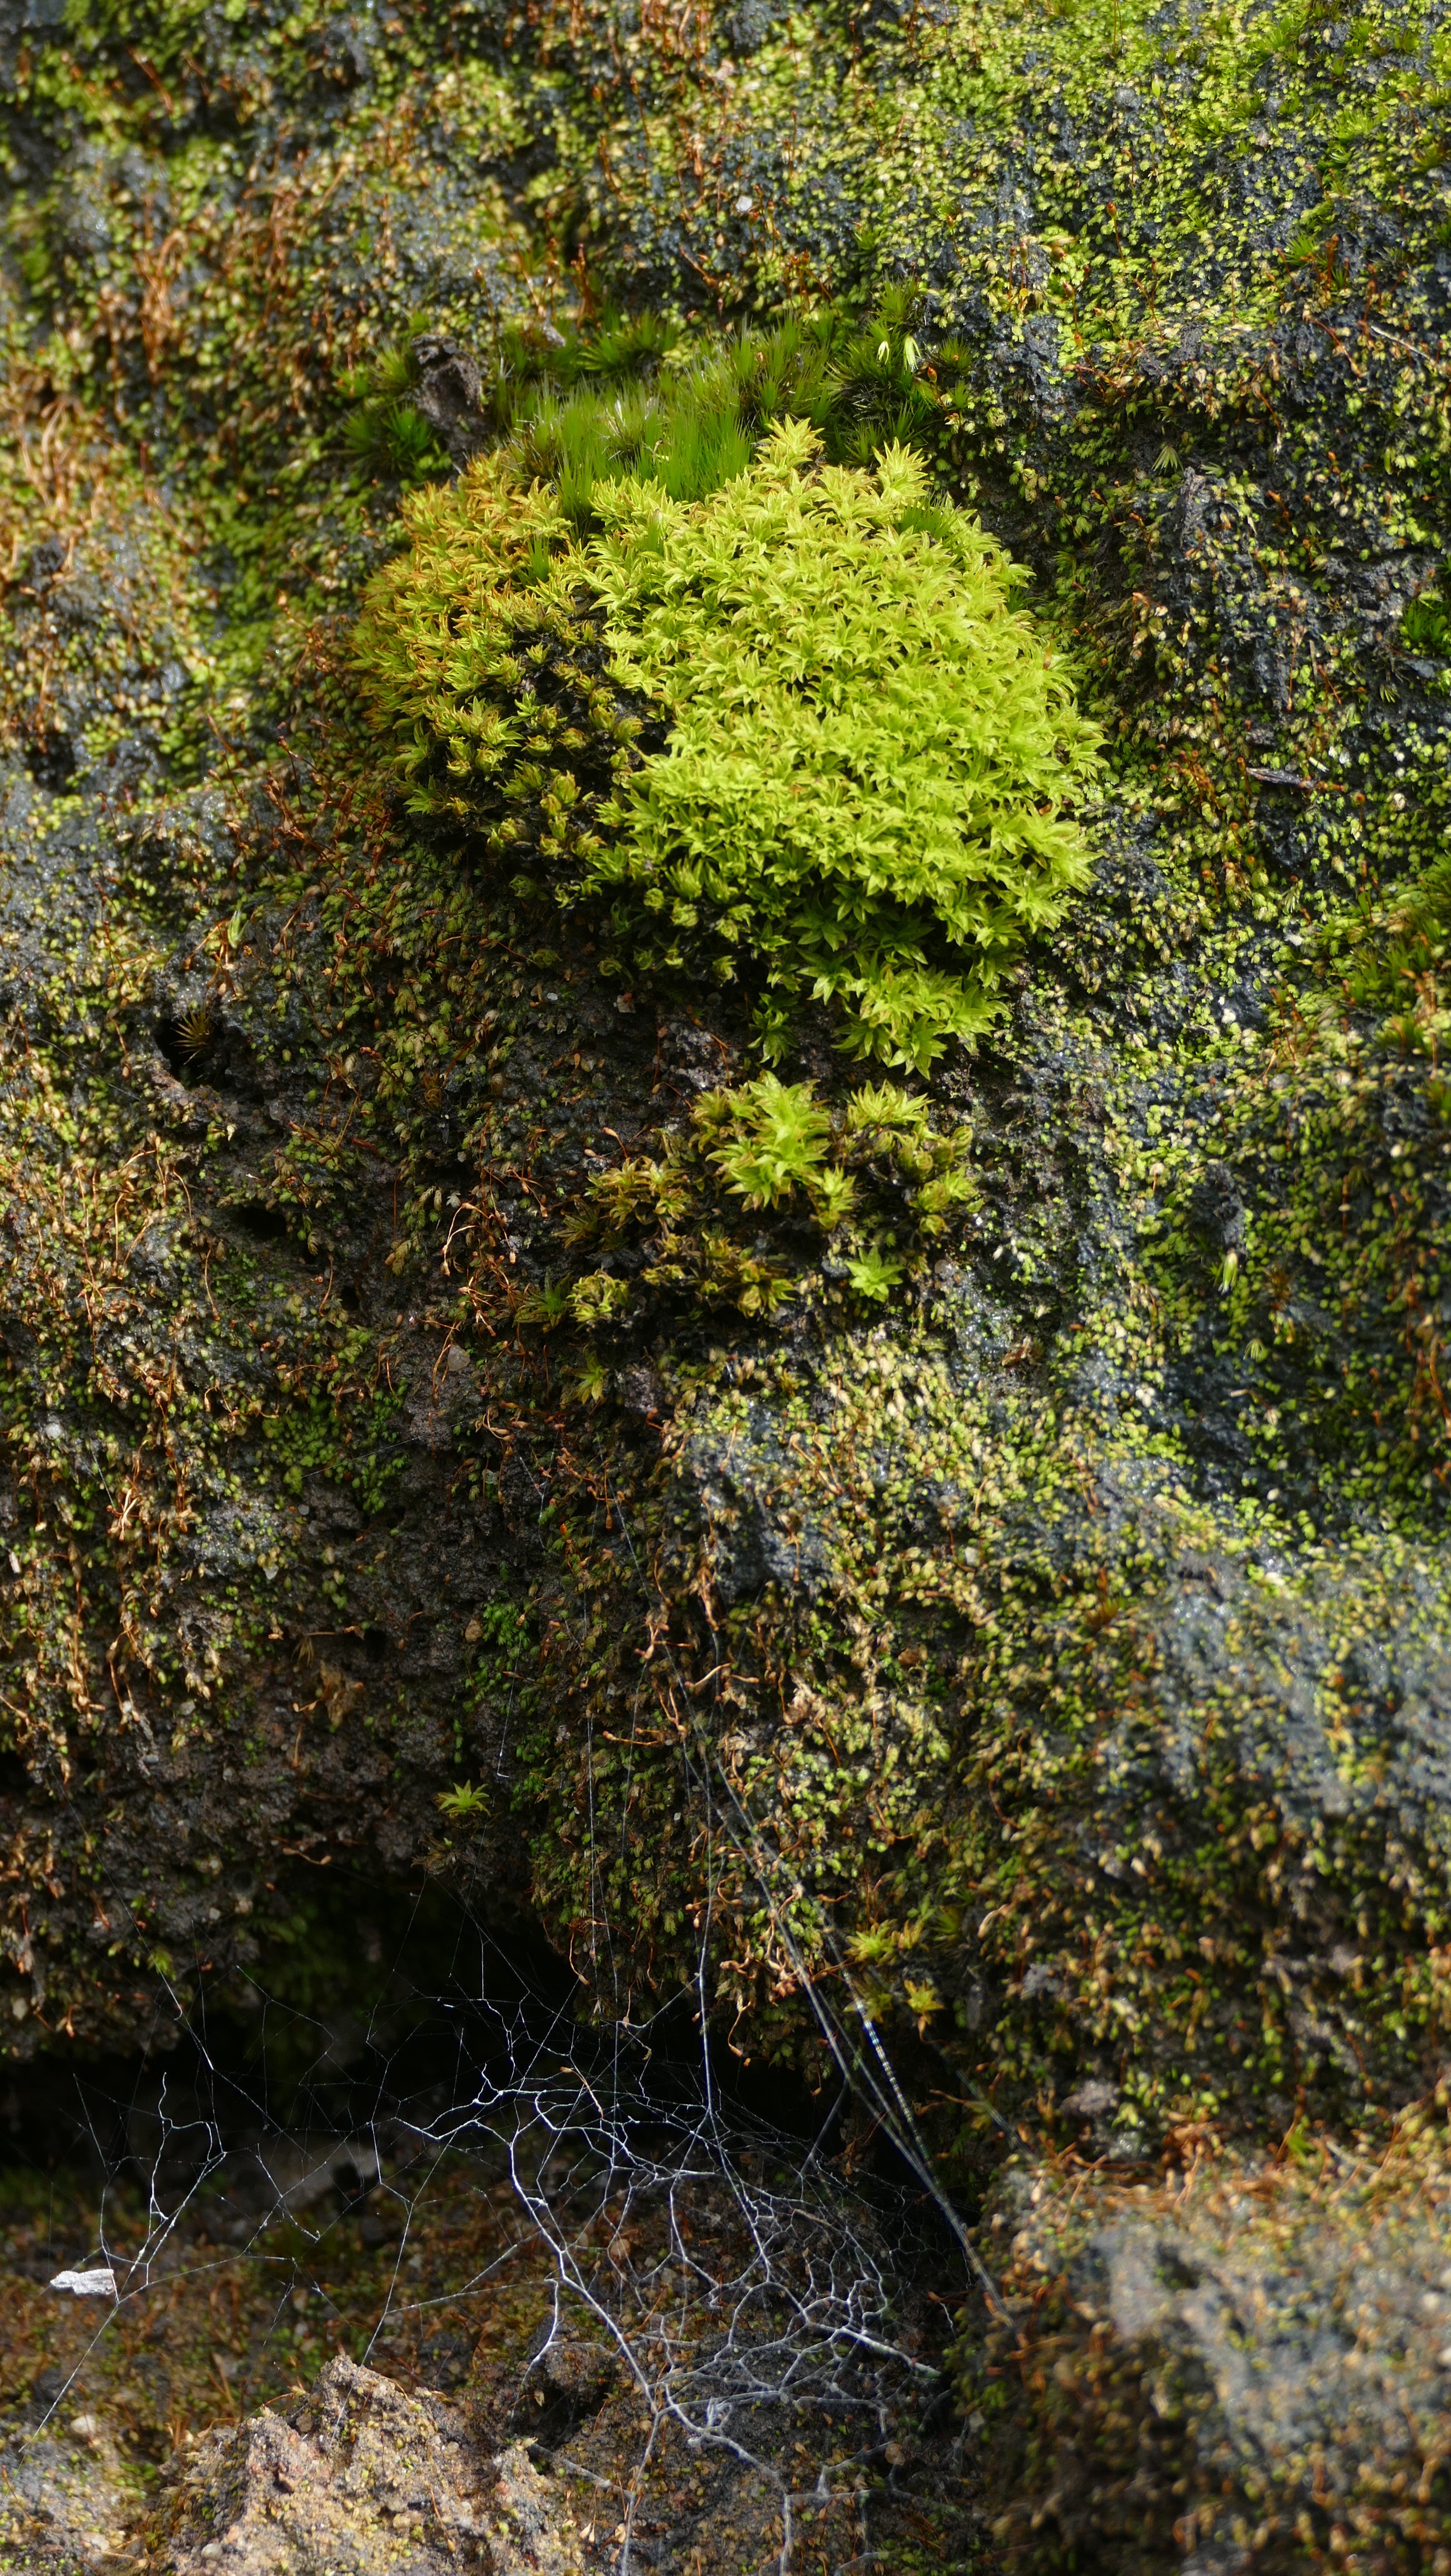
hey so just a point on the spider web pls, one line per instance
(746, 2284)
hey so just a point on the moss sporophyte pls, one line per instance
(793, 730)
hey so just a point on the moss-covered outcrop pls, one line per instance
(450, 1418)
(1234, 2368)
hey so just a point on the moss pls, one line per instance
(834, 689)
(1238, 2356)
(674, 1240)
(1022, 1541)
(200, 1427)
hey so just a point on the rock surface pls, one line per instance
(363, 2480)
(67, 2498)
(1248, 2369)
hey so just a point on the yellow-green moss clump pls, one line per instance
(795, 726)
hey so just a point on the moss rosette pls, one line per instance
(797, 725)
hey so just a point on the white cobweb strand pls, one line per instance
(746, 2287)
(758, 2303)
(744, 2282)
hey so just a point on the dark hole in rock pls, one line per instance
(46, 2390)
(264, 1224)
(14, 1777)
(183, 1042)
(52, 764)
(50, 554)
(940, 2409)
(349, 2185)
(515, 170)
(376, 1642)
(1176, 2269)
(568, 2382)
(350, 1298)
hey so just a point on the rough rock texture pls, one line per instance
(67, 2497)
(1144, 1482)
(1247, 2370)
(1052, 1663)
(364, 2480)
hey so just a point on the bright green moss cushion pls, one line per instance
(795, 730)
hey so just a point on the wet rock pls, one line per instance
(752, 24)
(640, 1391)
(695, 1058)
(758, 1534)
(440, 1402)
(1218, 1208)
(447, 394)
